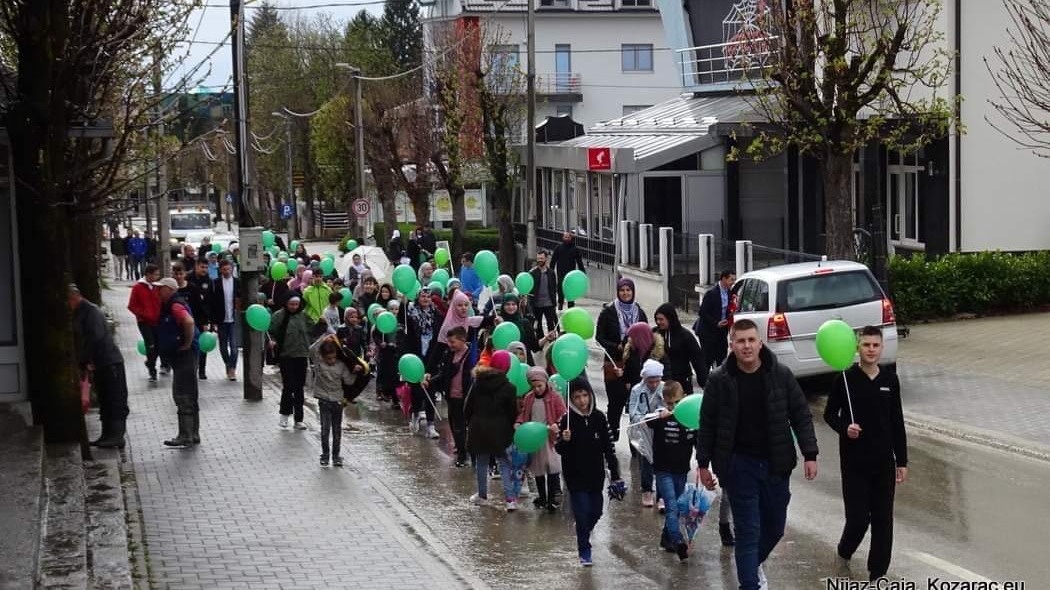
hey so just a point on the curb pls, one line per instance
(980, 436)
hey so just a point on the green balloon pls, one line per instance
(577, 321)
(414, 290)
(531, 436)
(436, 286)
(441, 256)
(258, 317)
(351, 245)
(141, 347)
(294, 245)
(504, 334)
(327, 266)
(520, 379)
(441, 275)
(570, 355)
(292, 264)
(268, 238)
(836, 344)
(374, 310)
(524, 282)
(403, 278)
(278, 271)
(282, 254)
(216, 247)
(687, 411)
(328, 255)
(274, 251)
(208, 341)
(411, 368)
(386, 322)
(487, 266)
(559, 384)
(575, 285)
(348, 297)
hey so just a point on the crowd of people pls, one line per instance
(753, 416)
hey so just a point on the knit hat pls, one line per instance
(536, 374)
(652, 368)
(500, 361)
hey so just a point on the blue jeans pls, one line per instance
(759, 500)
(645, 472)
(586, 509)
(228, 344)
(481, 470)
(669, 486)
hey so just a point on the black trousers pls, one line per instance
(112, 387)
(149, 336)
(548, 487)
(548, 313)
(457, 422)
(184, 382)
(617, 392)
(422, 401)
(293, 381)
(868, 498)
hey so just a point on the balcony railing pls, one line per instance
(725, 63)
(559, 83)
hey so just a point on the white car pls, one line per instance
(789, 303)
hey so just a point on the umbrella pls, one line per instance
(693, 504)
(374, 258)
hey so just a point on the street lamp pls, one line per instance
(293, 222)
(359, 136)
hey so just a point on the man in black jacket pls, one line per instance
(99, 357)
(201, 311)
(544, 296)
(566, 258)
(865, 409)
(712, 327)
(224, 305)
(752, 405)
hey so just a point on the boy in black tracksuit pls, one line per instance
(585, 445)
(873, 450)
(672, 452)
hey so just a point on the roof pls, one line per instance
(803, 269)
(587, 6)
(652, 137)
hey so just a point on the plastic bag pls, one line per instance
(693, 504)
(641, 438)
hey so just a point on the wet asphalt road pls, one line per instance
(966, 513)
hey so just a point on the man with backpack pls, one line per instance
(177, 343)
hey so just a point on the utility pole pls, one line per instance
(530, 157)
(293, 222)
(251, 341)
(359, 145)
(163, 214)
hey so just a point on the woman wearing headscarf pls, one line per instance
(611, 333)
(290, 338)
(505, 286)
(385, 296)
(642, 344)
(394, 248)
(511, 312)
(425, 273)
(683, 355)
(300, 254)
(421, 323)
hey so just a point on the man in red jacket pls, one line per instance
(145, 305)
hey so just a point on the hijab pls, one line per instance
(641, 336)
(454, 320)
(628, 312)
(426, 273)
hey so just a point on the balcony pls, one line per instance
(726, 66)
(560, 87)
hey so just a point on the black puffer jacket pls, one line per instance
(491, 407)
(682, 354)
(607, 330)
(786, 411)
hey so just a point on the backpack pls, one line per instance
(170, 336)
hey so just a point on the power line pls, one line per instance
(323, 48)
(306, 6)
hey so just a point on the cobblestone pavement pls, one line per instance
(250, 507)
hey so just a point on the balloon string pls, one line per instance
(426, 395)
(849, 402)
(657, 417)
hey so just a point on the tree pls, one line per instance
(79, 63)
(841, 74)
(1023, 75)
(402, 33)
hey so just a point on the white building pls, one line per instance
(595, 59)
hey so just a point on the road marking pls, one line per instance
(949, 567)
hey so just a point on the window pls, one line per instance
(637, 57)
(903, 198)
(754, 296)
(828, 291)
(636, 3)
(557, 205)
(506, 57)
(554, 3)
(579, 181)
(563, 109)
(630, 109)
(563, 67)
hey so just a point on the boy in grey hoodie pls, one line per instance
(329, 376)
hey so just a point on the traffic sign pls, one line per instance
(361, 207)
(286, 211)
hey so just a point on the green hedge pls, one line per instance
(979, 283)
(477, 237)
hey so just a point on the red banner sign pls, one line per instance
(599, 158)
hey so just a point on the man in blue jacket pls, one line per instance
(468, 277)
(137, 251)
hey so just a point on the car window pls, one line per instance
(828, 291)
(754, 296)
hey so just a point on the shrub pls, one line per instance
(477, 237)
(979, 283)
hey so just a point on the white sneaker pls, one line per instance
(763, 583)
(478, 500)
(660, 506)
(512, 505)
(299, 426)
(283, 422)
(432, 432)
(413, 424)
(647, 499)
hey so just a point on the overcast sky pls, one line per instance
(210, 24)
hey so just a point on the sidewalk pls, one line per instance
(250, 507)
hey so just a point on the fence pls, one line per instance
(331, 220)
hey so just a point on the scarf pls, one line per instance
(641, 336)
(628, 312)
(453, 319)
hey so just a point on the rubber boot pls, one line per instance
(195, 430)
(183, 438)
(113, 437)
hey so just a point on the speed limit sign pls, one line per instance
(361, 207)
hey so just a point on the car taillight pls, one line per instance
(888, 317)
(778, 328)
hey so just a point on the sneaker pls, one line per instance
(432, 432)
(164, 369)
(231, 374)
(494, 472)
(299, 426)
(553, 506)
(202, 376)
(725, 530)
(512, 505)
(283, 422)
(647, 499)
(763, 583)
(324, 460)
(585, 558)
(682, 550)
(152, 374)
(460, 463)
(477, 500)
(665, 542)
(337, 461)
(539, 502)
(660, 506)
(413, 425)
